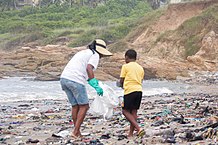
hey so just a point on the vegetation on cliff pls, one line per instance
(193, 30)
(166, 32)
(171, 41)
(79, 24)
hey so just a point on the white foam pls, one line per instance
(19, 89)
(156, 91)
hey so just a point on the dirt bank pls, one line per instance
(166, 48)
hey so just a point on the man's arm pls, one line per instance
(122, 76)
(90, 72)
(121, 82)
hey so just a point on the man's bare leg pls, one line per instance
(80, 117)
(74, 111)
(131, 118)
(132, 128)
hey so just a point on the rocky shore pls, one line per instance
(47, 62)
(177, 118)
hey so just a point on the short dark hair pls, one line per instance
(132, 54)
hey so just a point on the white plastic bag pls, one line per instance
(104, 105)
(97, 106)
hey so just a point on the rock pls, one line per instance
(197, 60)
(46, 77)
(1, 76)
(35, 61)
(209, 46)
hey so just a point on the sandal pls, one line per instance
(141, 133)
(75, 137)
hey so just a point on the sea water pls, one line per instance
(19, 89)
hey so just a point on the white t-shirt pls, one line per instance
(75, 70)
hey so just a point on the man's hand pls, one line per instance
(94, 83)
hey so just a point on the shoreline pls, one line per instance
(27, 89)
(23, 122)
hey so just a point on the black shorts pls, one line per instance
(132, 100)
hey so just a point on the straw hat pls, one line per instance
(100, 47)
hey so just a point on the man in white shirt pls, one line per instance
(77, 72)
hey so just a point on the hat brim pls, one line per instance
(103, 51)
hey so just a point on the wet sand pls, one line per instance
(176, 118)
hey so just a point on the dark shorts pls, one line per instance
(132, 101)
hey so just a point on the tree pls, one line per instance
(155, 4)
(8, 4)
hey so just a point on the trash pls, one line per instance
(103, 105)
(209, 126)
(85, 133)
(170, 139)
(2, 139)
(10, 127)
(97, 107)
(121, 137)
(24, 105)
(179, 120)
(165, 119)
(34, 109)
(32, 141)
(19, 116)
(16, 122)
(164, 113)
(36, 128)
(210, 133)
(105, 136)
(188, 105)
(191, 136)
(157, 123)
(206, 111)
(197, 105)
(95, 142)
(63, 133)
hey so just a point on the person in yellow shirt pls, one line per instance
(131, 78)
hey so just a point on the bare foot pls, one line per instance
(129, 136)
(76, 134)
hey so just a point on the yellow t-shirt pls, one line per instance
(133, 74)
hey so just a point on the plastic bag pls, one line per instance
(103, 105)
(97, 106)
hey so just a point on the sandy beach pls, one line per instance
(176, 118)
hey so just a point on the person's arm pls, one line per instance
(90, 71)
(143, 75)
(122, 76)
(121, 82)
(92, 80)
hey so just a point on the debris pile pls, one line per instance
(176, 118)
